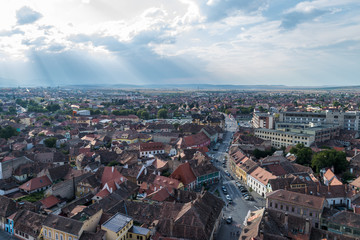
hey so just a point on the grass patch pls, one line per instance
(34, 197)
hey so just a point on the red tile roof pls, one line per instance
(152, 146)
(184, 174)
(103, 193)
(111, 173)
(195, 140)
(49, 201)
(36, 183)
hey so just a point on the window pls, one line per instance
(56, 236)
(292, 209)
(270, 204)
(70, 238)
(276, 205)
(61, 237)
(49, 233)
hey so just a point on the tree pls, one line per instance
(50, 142)
(303, 154)
(162, 113)
(7, 132)
(330, 158)
(145, 115)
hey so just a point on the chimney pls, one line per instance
(355, 152)
(286, 221)
(145, 171)
(329, 189)
(307, 226)
(318, 187)
(112, 169)
(351, 170)
(306, 189)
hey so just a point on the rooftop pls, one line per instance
(117, 222)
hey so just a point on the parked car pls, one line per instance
(249, 198)
(228, 197)
(229, 220)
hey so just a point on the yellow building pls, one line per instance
(132, 137)
(121, 227)
(56, 227)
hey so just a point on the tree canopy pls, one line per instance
(7, 132)
(162, 113)
(50, 142)
(329, 158)
(303, 154)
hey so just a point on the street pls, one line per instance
(239, 207)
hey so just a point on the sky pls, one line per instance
(241, 42)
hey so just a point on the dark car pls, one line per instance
(229, 220)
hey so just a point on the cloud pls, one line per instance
(215, 10)
(9, 33)
(26, 15)
(292, 19)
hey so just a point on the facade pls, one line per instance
(297, 204)
(263, 120)
(322, 133)
(121, 227)
(258, 180)
(56, 227)
(147, 149)
(28, 225)
(344, 223)
(281, 138)
(346, 120)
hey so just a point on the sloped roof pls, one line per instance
(36, 183)
(299, 199)
(29, 222)
(63, 224)
(184, 174)
(50, 201)
(262, 175)
(329, 174)
(7, 206)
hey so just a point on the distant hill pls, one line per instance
(215, 87)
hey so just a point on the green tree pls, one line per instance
(7, 132)
(162, 113)
(303, 154)
(50, 142)
(145, 115)
(53, 107)
(12, 110)
(329, 158)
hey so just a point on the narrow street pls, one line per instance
(239, 208)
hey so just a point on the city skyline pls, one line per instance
(293, 43)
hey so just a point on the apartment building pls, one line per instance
(263, 120)
(346, 120)
(280, 138)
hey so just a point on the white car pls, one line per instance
(228, 197)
